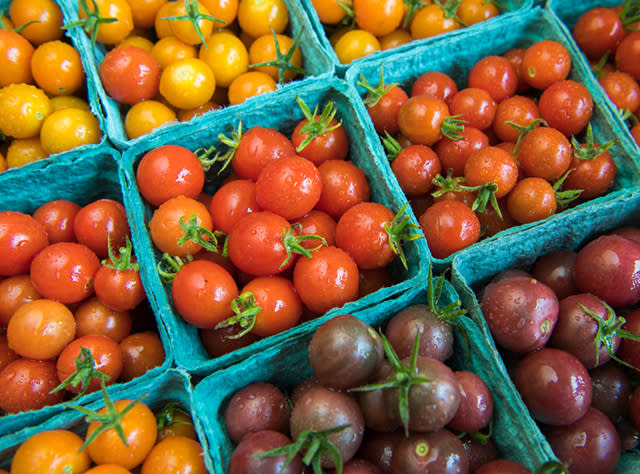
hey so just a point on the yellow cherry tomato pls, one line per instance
(329, 11)
(259, 17)
(24, 150)
(394, 39)
(113, 32)
(185, 30)
(144, 117)
(65, 101)
(431, 21)
(69, 128)
(225, 10)
(45, 17)
(137, 41)
(378, 17)
(162, 26)
(170, 49)
(51, 451)
(356, 44)
(250, 84)
(263, 50)
(57, 68)
(187, 83)
(226, 55)
(24, 109)
(144, 11)
(187, 114)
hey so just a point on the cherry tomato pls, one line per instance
(475, 106)
(627, 54)
(53, 451)
(249, 84)
(94, 317)
(598, 31)
(21, 238)
(492, 164)
(168, 171)
(421, 119)
(140, 432)
(517, 109)
(496, 75)
(187, 83)
(471, 12)
(435, 83)
(225, 10)
(170, 49)
(57, 218)
(415, 167)
(144, 12)
(175, 454)
(332, 145)
(515, 56)
(141, 351)
(260, 17)
(384, 110)
(202, 292)
(40, 329)
(130, 74)
(15, 291)
(329, 11)
(263, 49)
(107, 357)
(22, 151)
(544, 152)
(449, 226)
(594, 176)
(100, 222)
(120, 290)
(532, 199)
(544, 63)
(44, 16)
(394, 39)
(69, 128)
(226, 55)
(25, 110)
(328, 279)
(110, 33)
(166, 230)
(232, 201)
(64, 271)
(343, 185)
(356, 44)
(453, 154)
(566, 106)
(185, 29)
(25, 384)
(257, 147)
(378, 17)
(316, 223)
(431, 20)
(144, 117)
(57, 68)
(622, 89)
(15, 58)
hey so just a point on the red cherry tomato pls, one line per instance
(21, 238)
(130, 74)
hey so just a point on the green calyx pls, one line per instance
(552, 467)
(193, 15)
(313, 443)
(450, 9)
(452, 126)
(124, 261)
(246, 311)
(167, 415)
(292, 243)
(391, 146)
(401, 229)
(92, 22)
(589, 150)
(169, 266)
(485, 193)
(598, 68)
(204, 154)
(85, 372)
(316, 126)
(283, 61)
(375, 93)
(197, 234)
(630, 13)
(414, 6)
(524, 129)
(567, 196)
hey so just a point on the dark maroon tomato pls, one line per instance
(555, 270)
(345, 352)
(502, 466)
(244, 459)
(630, 232)
(378, 414)
(217, 341)
(321, 409)
(303, 387)
(436, 335)
(440, 452)
(520, 312)
(611, 390)
(576, 330)
(377, 447)
(630, 350)
(479, 451)
(476, 403)
(358, 466)
(629, 435)
(258, 406)
(609, 268)
(634, 408)
(554, 385)
(589, 445)
(432, 404)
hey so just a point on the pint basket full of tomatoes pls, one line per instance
(290, 205)
(155, 63)
(439, 147)
(74, 311)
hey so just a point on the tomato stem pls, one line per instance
(85, 371)
(197, 234)
(452, 125)
(375, 93)
(246, 311)
(226, 157)
(124, 262)
(401, 229)
(589, 150)
(524, 129)
(599, 67)
(169, 266)
(316, 126)
(565, 197)
(450, 9)
(193, 15)
(630, 13)
(629, 117)
(414, 6)
(92, 22)
(391, 146)
(283, 61)
(292, 242)
(167, 415)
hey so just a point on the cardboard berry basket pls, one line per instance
(86, 92)
(315, 60)
(280, 111)
(81, 177)
(165, 387)
(507, 9)
(275, 365)
(567, 13)
(457, 55)
(472, 270)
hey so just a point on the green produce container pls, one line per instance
(457, 55)
(274, 365)
(474, 269)
(171, 385)
(507, 8)
(281, 111)
(567, 13)
(81, 177)
(315, 60)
